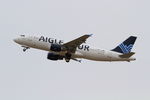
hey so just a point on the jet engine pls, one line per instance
(52, 56)
(57, 48)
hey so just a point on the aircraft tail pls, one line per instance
(126, 46)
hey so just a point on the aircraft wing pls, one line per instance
(72, 45)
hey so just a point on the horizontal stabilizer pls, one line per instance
(128, 55)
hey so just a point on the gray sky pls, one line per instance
(30, 76)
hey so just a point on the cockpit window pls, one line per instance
(22, 35)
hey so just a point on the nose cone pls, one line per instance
(16, 40)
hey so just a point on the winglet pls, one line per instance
(90, 34)
(76, 60)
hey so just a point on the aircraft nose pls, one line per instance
(16, 40)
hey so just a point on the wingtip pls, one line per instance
(90, 34)
(133, 36)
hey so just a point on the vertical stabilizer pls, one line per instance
(126, 46)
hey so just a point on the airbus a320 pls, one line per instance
(75, 49)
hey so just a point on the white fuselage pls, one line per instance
(83, 51)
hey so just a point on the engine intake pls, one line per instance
(52, 56)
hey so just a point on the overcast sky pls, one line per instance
(30, 76)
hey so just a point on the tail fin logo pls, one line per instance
(125, 48)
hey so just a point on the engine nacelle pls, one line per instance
(57, 48)
(52, 56)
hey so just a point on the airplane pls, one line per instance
(75, 49)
